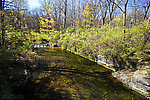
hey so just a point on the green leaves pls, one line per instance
(128, 48)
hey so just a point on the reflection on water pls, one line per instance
(66, 76)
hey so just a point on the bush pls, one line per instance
(125, 50)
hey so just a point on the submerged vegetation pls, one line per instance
(69, 76)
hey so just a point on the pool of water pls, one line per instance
(63, 75)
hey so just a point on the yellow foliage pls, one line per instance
(15, 21)
(88, 15)
(47, 24)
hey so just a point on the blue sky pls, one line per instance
(33, 4)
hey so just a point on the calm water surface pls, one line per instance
(65, 76)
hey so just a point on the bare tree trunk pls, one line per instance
(146, 10)
(65, 13)
(59, 18)
(3, 29)
(123, 11)
(103, 20)
(124, 20)
(103, 9)
(74, 15)
(124, 15)
(111, 8)
(134, 12)
(2, 2)
(79, 16)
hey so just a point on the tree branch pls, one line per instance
(117, 6)
(146, 10)
(123, 2)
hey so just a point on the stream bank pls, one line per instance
(138, 80)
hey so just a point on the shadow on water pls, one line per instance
(38, 91)
(62, 75)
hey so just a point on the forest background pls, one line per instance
(118, 30)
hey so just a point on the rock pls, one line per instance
(47, 45)
(44, 41)
(101, 59)
(140, 87)
(122, 76)
(42, 45)
(115, 74)
(17, 74)
(34, 40)
(33, 66)
(141, 80)
(55, 45)
(11, 68)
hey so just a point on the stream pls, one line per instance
(62, 75)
